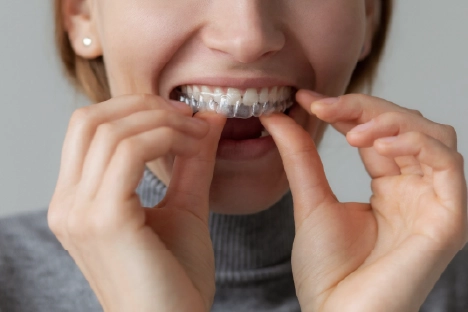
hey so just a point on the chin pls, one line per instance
(248, 187)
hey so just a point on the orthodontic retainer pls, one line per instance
(238, 110)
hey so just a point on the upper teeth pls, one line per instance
(233, 95)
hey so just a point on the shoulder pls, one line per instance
(451, 291)
(36, 273)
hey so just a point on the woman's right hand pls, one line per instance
(134, 258)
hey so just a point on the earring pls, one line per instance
(87, 42)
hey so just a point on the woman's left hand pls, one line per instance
(385, 255)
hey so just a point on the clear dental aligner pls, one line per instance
(235, 103)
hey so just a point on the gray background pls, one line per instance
(425, 68)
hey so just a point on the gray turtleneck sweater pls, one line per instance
(252, 259)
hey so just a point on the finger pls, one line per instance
(127, 165)
(394, 123)
(347, 111)
(306, 97)
(447, 164)
(191, 176)
(109, 135)
(302, 163)
(83, 125)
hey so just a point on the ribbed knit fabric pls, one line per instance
(249, 249)
(252, 254)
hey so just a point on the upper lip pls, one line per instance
(239, 83)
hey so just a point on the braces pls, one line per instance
(238, 110)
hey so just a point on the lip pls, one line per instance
(242, 150)
(245, 150)
(238, 83)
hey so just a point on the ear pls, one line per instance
(78, 18)
(373, 16)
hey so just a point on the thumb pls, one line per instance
(191, 176)
(302, 164)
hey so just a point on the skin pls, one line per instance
(291, 41)
(385, 255)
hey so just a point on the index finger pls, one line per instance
(84, 122)
(347, 111)
(191, 176)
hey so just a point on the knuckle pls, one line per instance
(391, 117)
(450, 130)
(55, 223)
(415, 112)
(81, 116)
(415, 136)
(451, 135)
(167, 133)
(55, 216)
(106, 130)
(127, 148)
(446, 134)
(459, 159)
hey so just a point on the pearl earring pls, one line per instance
(87, 42)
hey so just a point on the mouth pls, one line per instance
(234, 102)
(242, 107)
(243, 136)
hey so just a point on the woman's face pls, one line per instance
(154, 46)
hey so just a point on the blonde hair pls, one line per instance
(89, 76)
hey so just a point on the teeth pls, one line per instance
(196, 92)
(233, 96)
(281, 93)
(250, 97)
(263, 95)
(234, 103)
(217, 95)
(273, 95)
(206, 94)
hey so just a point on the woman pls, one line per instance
(228, 200)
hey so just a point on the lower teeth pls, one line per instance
(239, 110)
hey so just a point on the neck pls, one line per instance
(246, 247)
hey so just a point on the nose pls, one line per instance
(247, 30)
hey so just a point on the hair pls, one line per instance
(89, 75)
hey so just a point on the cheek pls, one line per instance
(332, 35)
(139, 38)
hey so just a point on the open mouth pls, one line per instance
(241, 107)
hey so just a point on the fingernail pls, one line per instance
(179, 105)
(363, 127)
(329, 101)
(198, 121)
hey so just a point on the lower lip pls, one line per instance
(242, 150)
(245, 149)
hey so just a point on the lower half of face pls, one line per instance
(152, 47)
(249, 176)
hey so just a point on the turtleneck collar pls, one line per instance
(247, 248)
